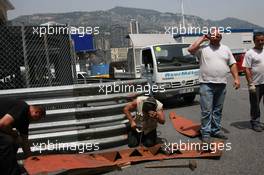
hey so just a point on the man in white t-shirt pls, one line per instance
(216, 61)
(254, 64)
(143, 125)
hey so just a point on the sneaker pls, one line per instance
(219, 136)
(257, 128)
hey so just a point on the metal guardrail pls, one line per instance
(76, 122)
(63, 91)
(77, 114)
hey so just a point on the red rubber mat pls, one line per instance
(185, 126)
(105, 161)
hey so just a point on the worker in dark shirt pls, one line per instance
(15, 116)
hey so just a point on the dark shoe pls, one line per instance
(206, 139)
(262, 126)
(257, 128)
(205, 145)
(219, 136)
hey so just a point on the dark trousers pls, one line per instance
(255, 99)
(147, 140)
(8, 151)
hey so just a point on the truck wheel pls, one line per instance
(189, 98)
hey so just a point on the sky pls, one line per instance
(249, 10)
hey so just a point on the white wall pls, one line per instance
(235, 41)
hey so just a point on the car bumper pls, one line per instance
(168, 93)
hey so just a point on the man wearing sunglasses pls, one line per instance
(216, 61)
(143, 125)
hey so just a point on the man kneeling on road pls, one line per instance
(15, 116)
(143, 125)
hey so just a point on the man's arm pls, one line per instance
(130, 106)
(25, 145)
(251, 85)
(6, 125)
(234, 72)
(196, 45)
(249, 75)
(247, 64)
(161, 116)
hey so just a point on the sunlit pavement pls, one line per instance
(246, 156)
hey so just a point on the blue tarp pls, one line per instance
(83, 43)
(100, 69)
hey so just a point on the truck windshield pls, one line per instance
(174, 55)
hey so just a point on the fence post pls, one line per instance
(73, 57)
(47, 59)
(25, 56)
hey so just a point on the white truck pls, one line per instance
(164, 62)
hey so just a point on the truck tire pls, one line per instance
(189, 98)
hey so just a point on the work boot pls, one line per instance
(219, 136)
(257, 128)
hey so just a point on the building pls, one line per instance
(5, 5)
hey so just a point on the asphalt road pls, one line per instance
(245, 157)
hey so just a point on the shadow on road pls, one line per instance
(241, 125)
(225, 130)
(174, 103)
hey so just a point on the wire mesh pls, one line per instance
(30, 60)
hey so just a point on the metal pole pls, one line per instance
(183, 20)
(47, 60)
(182, 10)
(25, 57)
(73, 58)
(137, 27)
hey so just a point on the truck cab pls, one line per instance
(164, 63)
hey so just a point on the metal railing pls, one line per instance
(77, 115)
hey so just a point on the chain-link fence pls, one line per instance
(30, 60)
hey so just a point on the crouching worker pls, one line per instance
(15, 116)
(143, 125)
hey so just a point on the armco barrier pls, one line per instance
(76, 115)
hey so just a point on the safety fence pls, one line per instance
(28, 59)
(77, 115)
